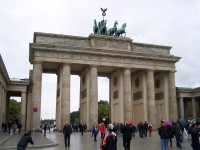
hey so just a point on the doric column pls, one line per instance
(93, 101)
(172, 97)
(65, 94)
(3, 106)
(23, 110)
(1, 100)
(151, 104)
(194, 114)
(36, 94)
(127, 95)
(181, 102)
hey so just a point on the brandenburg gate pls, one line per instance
(142, 77)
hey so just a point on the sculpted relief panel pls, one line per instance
(110, 44)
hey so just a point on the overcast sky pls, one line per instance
(173, 23)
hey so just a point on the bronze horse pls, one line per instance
(121, 30)
(113, 30)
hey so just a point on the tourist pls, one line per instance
(145, 128)
(9, 126)
(67, 131)
(19, 126)
(95, 131)
(14, 127)
(150, 129)
(170, 133)
(110, 141)
(102, 129)
(195, 136)
(140, 127)
(81, 128)
(126, 131)
(25, 139)
(134, 130)
(49, 127)
(45, 129)
(94, 125)
(162, 131)
(177, 133)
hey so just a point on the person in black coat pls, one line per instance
(195, 133)
(127, 131)
(162, 131)
(67, 131)
(111, 140)
(45, 129)
(25, 139)
(177, 133)
(170, 133)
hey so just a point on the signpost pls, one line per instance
(35, 109)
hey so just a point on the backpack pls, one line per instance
(103, 144)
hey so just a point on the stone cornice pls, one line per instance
(187, 92)
(57, 36)
(152, 45)
(89, 50)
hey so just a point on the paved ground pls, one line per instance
(55, 141)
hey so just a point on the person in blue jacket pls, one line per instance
(95, 132)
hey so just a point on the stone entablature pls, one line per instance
(103, 42)
(106, 50)
(151, 48)
(108, 60)
(187, 92)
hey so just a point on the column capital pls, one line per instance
(93, 66)
(148, 69)
(127, 68)
(69, 64)
(38, 62)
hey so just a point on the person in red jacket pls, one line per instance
(102, 129)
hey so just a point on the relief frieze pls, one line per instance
(110, 44)
(103, 58)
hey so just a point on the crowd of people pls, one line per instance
(168, 130)
(11, 126)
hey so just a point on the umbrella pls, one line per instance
(130, 121)
(182, 122)
(168, 123)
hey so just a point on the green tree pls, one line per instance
(103, 110)
(74, 117)
(14, 111)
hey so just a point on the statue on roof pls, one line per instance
(101, 27)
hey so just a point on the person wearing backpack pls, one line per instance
(127, 131)
(110, 141)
